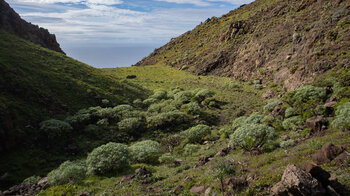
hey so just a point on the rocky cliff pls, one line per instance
(284, 42)
(10, 21)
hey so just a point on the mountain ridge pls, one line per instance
(286, 42)
(11, 21)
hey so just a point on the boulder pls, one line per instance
(342, 158)
(236, 183)
(326, 154)
(296, 181)
(318, 173)
(316, 123)
(278, 110)
(197, 189)
(223, 152)
(202, 161)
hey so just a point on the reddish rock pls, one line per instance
(326, 154)
(223, 152)
(197, 189)
(278, 110)
(202, 161)
(343, 157)
(316, 123)
(236, 183)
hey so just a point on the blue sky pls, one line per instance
(118, 23)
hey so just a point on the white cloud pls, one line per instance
(101, 2)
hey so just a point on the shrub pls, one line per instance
(268, 120)
(286, 144)
(201, 94)
(55, 128)
(290, 112)
(192, 108)
(238, 122)
(32, 180)
(138, 103)
(292, 123)
(342, 117)
(167, 158)
(172, 141)
(103, 122)
(190, 149)
(254, 118)
(92, 130)
(164, 106)
(225, 132)
(159, 95)
(234, 85)
(130, 125)
(111, 157)
(147, 151)
(197, 133)
(250, 136)
(149, 101)
(67, 172)
(182, 97)
(223, 169)
(305, 94)
(167, 119)
(271, 104)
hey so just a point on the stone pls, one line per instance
(326, 154)
(296, 181)
(342, 158)
(202, 161)
(285, 137)
(278, 110)
(197, 189)
(223, 152)
(208, 191)
(130, 77)
(316, 123)
(178, 189)
(317, 172)
(236, 183)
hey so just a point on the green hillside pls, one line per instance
(278, 41)
(38, 84)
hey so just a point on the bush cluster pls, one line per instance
(55, 128)
(111, 157)
(147, 151)
(67, 172)
(342, 117)
(271, 104)
(197, 133)
(292, 123)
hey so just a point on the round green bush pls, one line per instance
(111, 157)
(147, 151)
(167, 158)
(290, 112)
(286, 144)
(131, 125)
(167, 119)
(250, 136)
(304, 94)
(55, 128)
(197, 133)
(192, 108)
(292, 123)
(67, 172)
(159, 95)
(254, 118)
(190, 149)
(342, 117)
(238, 122)
(271, 104)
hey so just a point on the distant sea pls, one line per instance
(108, 56)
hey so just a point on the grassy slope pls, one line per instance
(260, 46)
(265, 169)
(38, 84)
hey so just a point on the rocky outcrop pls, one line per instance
(296, 181)
(326, 154)
(10, 21)
(27, 189)
(317, 123)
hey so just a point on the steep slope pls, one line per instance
(288, 42)
(37, 84)
(10, 21)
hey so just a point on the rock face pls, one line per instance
(10, 21)
(327, 153)
(317, 123)
(296, 181)
(27, 189)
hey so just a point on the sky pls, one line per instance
(117, 33)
